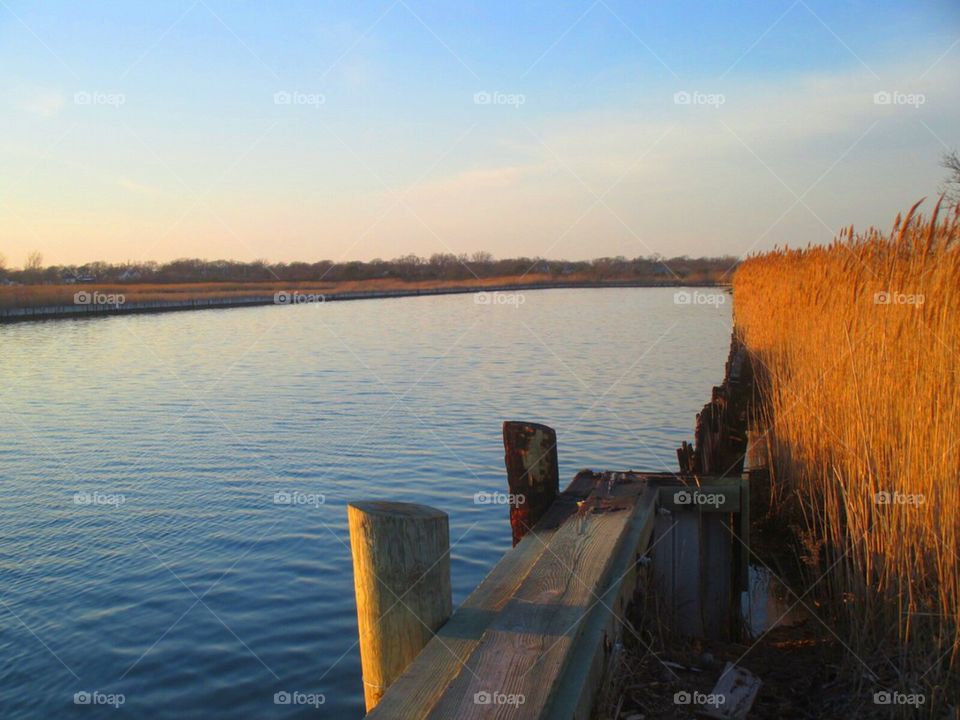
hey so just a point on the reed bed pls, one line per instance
(47, 295)
(858, 347)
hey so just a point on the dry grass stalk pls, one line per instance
(859, 343)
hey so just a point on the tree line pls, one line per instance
(440, 266)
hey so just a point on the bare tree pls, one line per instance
(951, 186)
(34, 262)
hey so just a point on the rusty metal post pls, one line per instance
(533, 475)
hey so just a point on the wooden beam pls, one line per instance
(417, 691)
(401, 572)
(518, 665)
(575, 693)
(533, 475)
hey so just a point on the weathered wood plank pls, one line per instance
(686, 600)
(533, 475)
(575, 692)
(414, 694)
(717, 569)
(401, 570)
(527, 646)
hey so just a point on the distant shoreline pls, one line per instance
(292, 296)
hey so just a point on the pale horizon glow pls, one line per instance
(160, 132)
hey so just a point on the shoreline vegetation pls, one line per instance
(440, 267)
(34, 302)
(856, 349)
(56, 291)
(35, 292)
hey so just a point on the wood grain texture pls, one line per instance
(533, 475)
(532, 640)
(419, 688)
(401, 568)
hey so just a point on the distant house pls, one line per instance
(129, 275)
(70, 278)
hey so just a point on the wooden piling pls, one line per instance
(401, 573)
(533, 474)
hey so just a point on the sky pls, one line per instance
(358, 130)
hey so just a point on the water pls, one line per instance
(199, 597)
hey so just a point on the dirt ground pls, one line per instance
(805, 669)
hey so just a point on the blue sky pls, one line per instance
(161, 130)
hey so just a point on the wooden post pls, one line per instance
(401, 576)
(533, 475)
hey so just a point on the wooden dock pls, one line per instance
(538, 636)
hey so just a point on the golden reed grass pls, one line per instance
(858, 346)
(41, 295)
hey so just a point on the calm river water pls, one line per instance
(142, 555)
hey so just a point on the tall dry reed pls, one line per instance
(858, 346)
